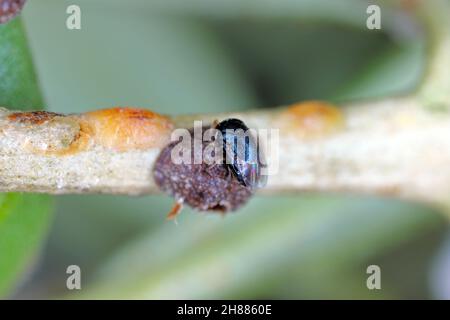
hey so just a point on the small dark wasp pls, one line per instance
(242, 154)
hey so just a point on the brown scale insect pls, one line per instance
(33, 117)
(205, 187)
(10, 9)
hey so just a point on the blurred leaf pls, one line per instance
(395, 71)
(171, 65)
(23, 218)
(289, 61)
(270, 245)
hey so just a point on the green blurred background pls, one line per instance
(180, 56)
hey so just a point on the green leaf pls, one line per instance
(19, 88)
(23, 223)
(24, 219)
